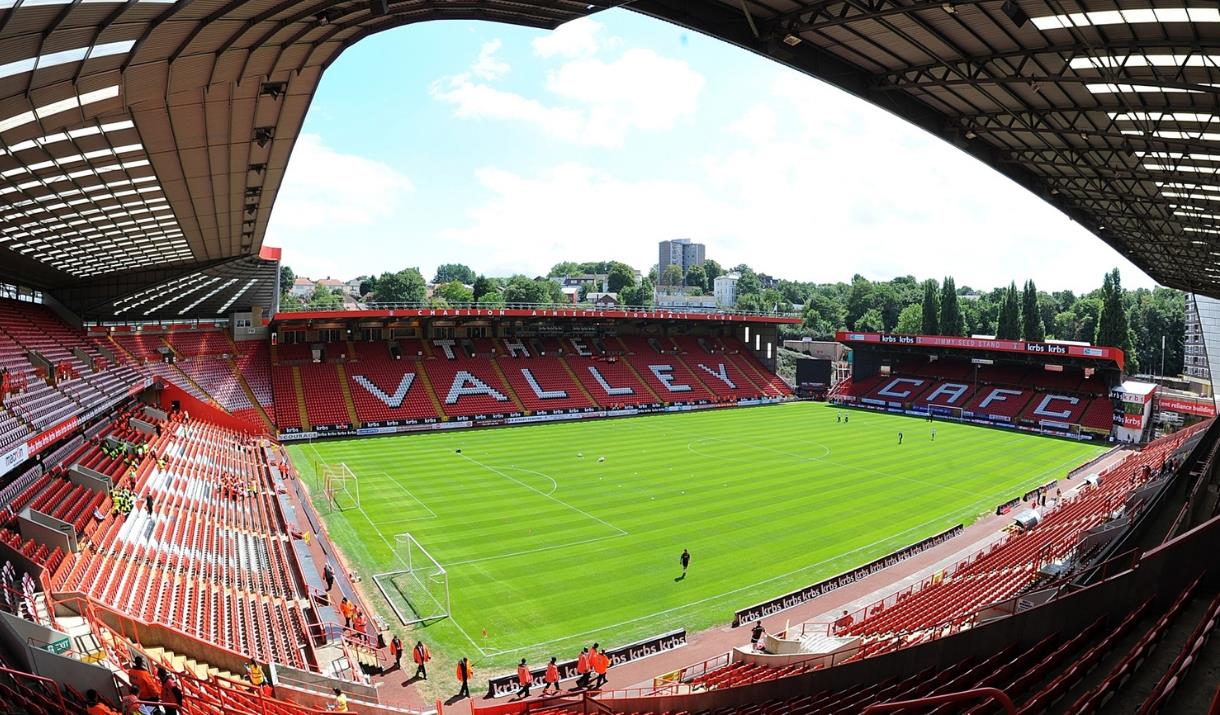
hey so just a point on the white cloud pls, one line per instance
(808, 184)
(326, 197)
(604, 100)
(488, 66)
(577, 38)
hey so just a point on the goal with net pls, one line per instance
(340, 485)
(418, 593)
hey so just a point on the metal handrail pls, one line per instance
(975, 694)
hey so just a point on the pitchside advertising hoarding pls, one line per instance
(507, 684)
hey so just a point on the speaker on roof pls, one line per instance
(1014, 13)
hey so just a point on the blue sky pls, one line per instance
(511, 149)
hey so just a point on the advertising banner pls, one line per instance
(1202, 408)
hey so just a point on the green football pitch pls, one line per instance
(547, 546)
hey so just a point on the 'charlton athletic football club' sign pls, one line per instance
(507, 684)
(775, 605)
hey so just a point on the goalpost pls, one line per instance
(418, 593)
(340, 485)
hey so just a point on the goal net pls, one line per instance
(341, 487)
(418, 593)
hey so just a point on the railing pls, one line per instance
(985, 694)
(645, 311)
(690, 672)
(584, 702)
(50, 685)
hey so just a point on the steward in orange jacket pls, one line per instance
(464, 674)
(421, 656)
(524, 678)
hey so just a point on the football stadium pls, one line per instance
(214, 501)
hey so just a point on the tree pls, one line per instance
(325, 299)
(287, 277)
(871, 321)
(928, 323)
(750, 302)
(1112, 325)
(712, 270)
(454, 293)
(1009, 326)
(563, 269)
(492, 298)
(1031, 315)
(484, 285)
(672, 276)
(910, 320)
(368, 284)
(619, 276)
(696, 277)
(950, 319)
(405, 286)
(748, 282)
(448, 272)
(639, 295)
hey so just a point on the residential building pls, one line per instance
(724, 288)
(302, 287)
(684, 301)
(679, 252)
(352, 287)
(330, 284)
(1202, 341)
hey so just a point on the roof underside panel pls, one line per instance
(148, 138)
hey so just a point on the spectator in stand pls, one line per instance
(396, 651)
(524, 678)
(140, 678)
(171, 691)
(464, 674)
(551, 678)
(148, 503)
(255, 673)
(94, 705)
(845, 621)
(130, 703)
(340, 703)
(421, 656)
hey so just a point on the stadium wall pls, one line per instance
(168, 393)
(1164, 571)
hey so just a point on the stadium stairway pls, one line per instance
(299, 391)
(347, 394)
(255, 403)
(512, 394)
(567, 366)
(631, 368)
(430, 390)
